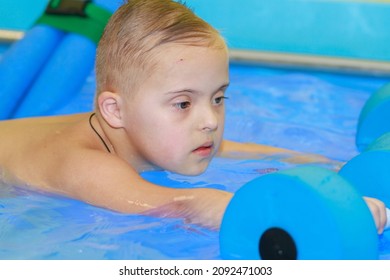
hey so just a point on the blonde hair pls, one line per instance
(135, 30)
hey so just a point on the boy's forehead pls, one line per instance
(173, 54)
(190, 67)
(174, 66)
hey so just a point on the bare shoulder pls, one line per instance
(18, 132)
(31, 147)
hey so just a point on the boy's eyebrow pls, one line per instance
(224, 86)
(192, 91)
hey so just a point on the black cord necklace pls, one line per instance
(101, 138)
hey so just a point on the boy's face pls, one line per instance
(176, 120)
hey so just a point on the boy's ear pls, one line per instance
(110, 104)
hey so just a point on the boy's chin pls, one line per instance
(192, 172)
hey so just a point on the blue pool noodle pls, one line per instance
(62, 77)
(21, 64)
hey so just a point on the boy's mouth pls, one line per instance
(205, 150)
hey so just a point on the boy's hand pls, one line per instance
(378, 211)
(200, 206)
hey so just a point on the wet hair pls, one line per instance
(129, 45)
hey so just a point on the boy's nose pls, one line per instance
(209, 120)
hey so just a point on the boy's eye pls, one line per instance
(182, 105)
(219, 100)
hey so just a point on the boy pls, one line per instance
(161, 78)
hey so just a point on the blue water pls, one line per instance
(308, 111)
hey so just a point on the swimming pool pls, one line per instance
(308, 111)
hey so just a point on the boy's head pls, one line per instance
(162, 73)
(129, 48)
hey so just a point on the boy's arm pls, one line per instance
(253, 150)
(229, 147)
(106, 181)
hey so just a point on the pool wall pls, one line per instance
(349, 29)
